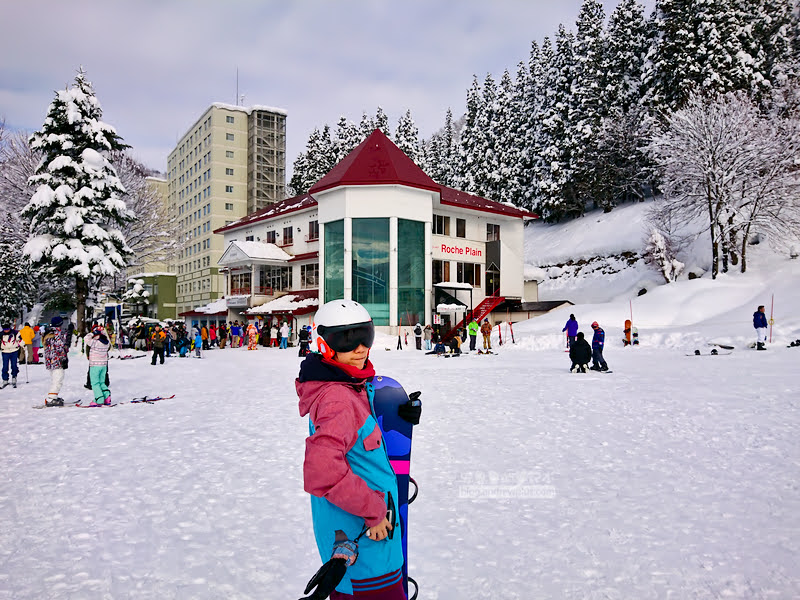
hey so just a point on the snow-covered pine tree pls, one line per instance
(448, 153)
(366, 126)
(348, 136)
(382, 122)
(510, 137)
(557, 197)
(298, 182)
(470, 159)
(626, 49)
(16, 281)
(587, 109)
(407, 136)
(76, 213)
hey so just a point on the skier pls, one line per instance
(276, 335)
(572, 329)
(11, 342)
(472, 331)
(159, 339)
(198, 343)
(346, 471)
(760, 324)
(598, 340)
(304, 337)
(98, 346)
(204, 336)
(418, 335)
(284, 336)
(27, 334)
(222, 335)
(486, 330)
(252, 337)
(37, 344)
(55, 359)
(580, 353)
(427, 335)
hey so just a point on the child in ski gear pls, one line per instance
(580, 353)
(486, 330)
(27, 334)
(598, 340)
(98, 345)
(760, 325)
(571, 328)
(55, 359)
(11, 342)
(159, 339)
(346, 469)
(198, 343)
(37, 343)
(276, 335)
(252, 337)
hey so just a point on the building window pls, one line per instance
(410, 271)
(229, 206)
(229, 189)
(461, 228)
(370, 259)
(469, 273)
(240, 284)
(228, 171)
(271, 237)
(492, 232)
(440, 271)
(334, 260)
(228, 119)
(249, 238)
(309, 276)
(274, 279)
(313, 231)
(229, 137)
(228, 153)
(441, 225)
(288, 238)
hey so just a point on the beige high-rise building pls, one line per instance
(230, 163)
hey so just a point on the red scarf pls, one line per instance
(356, 373)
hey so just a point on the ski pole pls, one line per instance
(771, 319)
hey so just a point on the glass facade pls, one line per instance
(370, 267)
(334, 260)
(410, 272)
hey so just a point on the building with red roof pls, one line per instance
(380, 231)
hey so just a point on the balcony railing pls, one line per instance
(285, 243)
(312, 237)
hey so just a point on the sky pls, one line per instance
(156, 65)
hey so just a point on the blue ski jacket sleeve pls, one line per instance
(759, 320)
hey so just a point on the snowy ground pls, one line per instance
(673, 477)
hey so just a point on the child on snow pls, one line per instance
(580, 353)
(346, 470)
(98, 345)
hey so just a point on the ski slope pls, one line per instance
(673, 477)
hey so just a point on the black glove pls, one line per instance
(411, 410)
(326, 579)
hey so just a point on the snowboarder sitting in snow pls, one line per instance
(455, 345)
(346, 470)
(580, 353)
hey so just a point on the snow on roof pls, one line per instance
(284, 304)
(155, 274)
(250, 109)
(217, 306)
(454, 197)
(454, 285)
(262, 250)
(283, 207)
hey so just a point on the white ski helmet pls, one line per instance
(341, 326)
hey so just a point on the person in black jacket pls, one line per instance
(580, 353)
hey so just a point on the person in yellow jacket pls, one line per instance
(27, 334)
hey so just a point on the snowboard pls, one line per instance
(389, 395)
(725, 346)
(712, 353)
